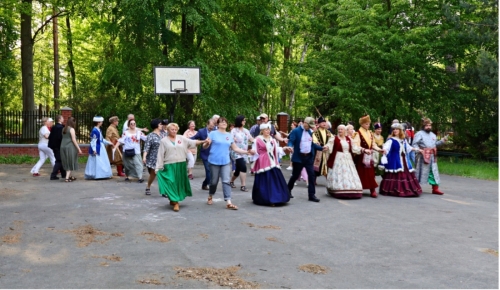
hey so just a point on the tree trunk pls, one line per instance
(292, 95)
(27, 59)
(268, 72)
(56, 60)
(287, 53)
(27, 71)
(70, 61)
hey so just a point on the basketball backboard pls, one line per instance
(186, 80)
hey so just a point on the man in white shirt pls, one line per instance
(125, 125)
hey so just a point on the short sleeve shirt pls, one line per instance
(240, 137)
(44, 130)
(219, 150)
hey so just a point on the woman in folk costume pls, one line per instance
(171, 165)
(364, 161)
(399, 178)
(98, 163)
(112, 135)
(343, 180)
(379, 140)
(270, 186)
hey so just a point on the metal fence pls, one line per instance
(21, 127)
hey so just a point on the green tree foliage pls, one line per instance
(9, 34)
(398, 59)
(389, 58)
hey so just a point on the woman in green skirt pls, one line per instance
(171, 165)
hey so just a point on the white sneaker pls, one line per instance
(289, 168)
(295, 183)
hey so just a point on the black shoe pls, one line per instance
(290, 193)
(205, 187)
(54, 178)
(314, 198)
(140, 180)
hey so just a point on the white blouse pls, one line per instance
(132, 141)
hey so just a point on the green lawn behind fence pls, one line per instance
(468, 168)
(462, 167)
(26, 159)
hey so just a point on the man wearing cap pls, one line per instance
(55, 139)
(301, 144)
(264, 118)
(125, 125)
(112, 136)
(202, 134)
(426, 160)
(255, 129)
(364, 161)
(321, 137)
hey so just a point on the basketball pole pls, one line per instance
(176, 98)
(172, 107)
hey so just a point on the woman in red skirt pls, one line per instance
(399, 178)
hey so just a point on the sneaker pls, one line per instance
(140, 180)
(289, 168)
(36, 174)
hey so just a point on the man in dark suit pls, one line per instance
(202, 134)
(301, 144)
(55, 139)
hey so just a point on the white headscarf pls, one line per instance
(265, 126)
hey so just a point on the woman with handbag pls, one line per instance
(343, 179)
(131, 140)
(399, 178)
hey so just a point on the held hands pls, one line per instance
(288, 150)
(325, 148)
(251, 152)
(367, 151)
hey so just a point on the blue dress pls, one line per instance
(98, 166)
(269, 187)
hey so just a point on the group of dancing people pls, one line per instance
(348, 159)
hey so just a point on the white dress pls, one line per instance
(343, 180)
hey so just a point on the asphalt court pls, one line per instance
(108, 234)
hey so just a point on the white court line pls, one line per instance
(457, 201)
(344, 202)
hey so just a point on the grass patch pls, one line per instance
(26, 159)
(468, 168)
